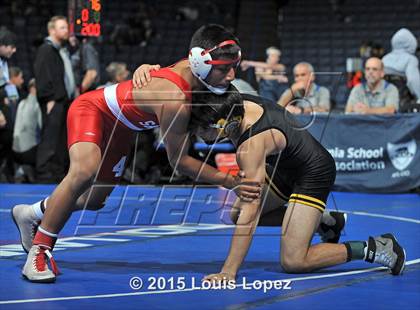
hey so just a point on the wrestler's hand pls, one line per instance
(219, 277)
(246, 189)
(141, 76)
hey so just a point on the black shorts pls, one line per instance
(311, 188)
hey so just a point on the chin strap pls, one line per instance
(213, 89)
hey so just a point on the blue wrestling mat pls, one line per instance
(150, 247)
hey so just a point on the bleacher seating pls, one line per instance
(310, 32)
(170, 44)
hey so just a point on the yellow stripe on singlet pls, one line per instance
(307, 204)
(308, 198)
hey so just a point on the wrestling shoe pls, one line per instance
(332, 223)
(36, 267)
(27, 223)
(386, 250)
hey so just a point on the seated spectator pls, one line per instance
(375, 96)
(26, 133)
(117, 72)
(305, 96)
(269, 74)
(402, 67)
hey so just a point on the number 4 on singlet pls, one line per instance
(119, 167)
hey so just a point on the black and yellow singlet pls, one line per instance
(304, 172)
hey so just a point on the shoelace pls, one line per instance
(34, 228)
(39, 262)
(384, 258)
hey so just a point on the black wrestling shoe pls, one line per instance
(332, 224)
(386, 250)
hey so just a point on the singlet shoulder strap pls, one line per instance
(257, 99)
(175, 78)
(262, 123)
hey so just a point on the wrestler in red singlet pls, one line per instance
(109, 117)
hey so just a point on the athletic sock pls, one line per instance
(45, 238)
(370, 250)
(355, 250)
(39, 208)
(46, 241)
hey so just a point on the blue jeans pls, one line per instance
(271, 89)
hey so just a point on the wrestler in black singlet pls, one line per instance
(305, 170)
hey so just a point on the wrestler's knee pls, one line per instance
(293, 264)
(293, 257)
(82, 172)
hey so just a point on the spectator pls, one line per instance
(375, 96)
(7, 49)
(269, 74)
(11, 101)
(402, 67)
(26, 132)
(16, 79)
(148, 32)
(305, 95)
(137, 29)
(85, 62)
(55, 87)
(117, 72)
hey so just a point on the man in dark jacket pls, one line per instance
(7, 49)
(55, 88)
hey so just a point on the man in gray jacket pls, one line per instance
(402, 67)
(27, 126)
(26, 133)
